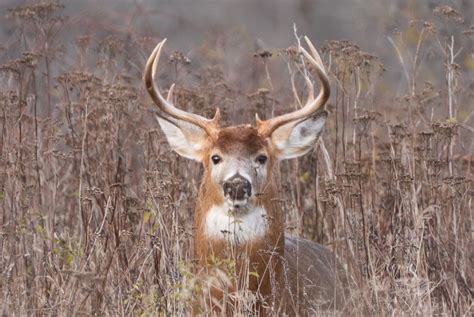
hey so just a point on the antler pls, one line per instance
(211, 126)
(266, 128)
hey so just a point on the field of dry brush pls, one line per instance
(96, 211)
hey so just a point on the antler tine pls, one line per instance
(315, 54)
(310, 89)
(266, 128)
(170, 93)
(211, 126)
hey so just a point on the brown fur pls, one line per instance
(243, 140)
(266, 257)
(273, 274)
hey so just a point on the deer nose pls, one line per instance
(237, 188)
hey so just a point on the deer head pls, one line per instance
(239, 160)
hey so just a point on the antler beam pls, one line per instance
(211, 126)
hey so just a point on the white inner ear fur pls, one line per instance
(186, 139)
(295, 139)
(236, 228)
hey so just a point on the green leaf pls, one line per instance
(452, 120)
(146, 216)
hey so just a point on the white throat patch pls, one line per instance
(222, 224)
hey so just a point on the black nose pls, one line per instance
(237, 188)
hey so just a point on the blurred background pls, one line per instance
(234, 30)
(97, 211)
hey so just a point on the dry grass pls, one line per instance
(97, 212)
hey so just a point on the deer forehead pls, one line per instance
(243, 140)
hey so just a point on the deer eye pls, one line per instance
(216, 159)
(261, 159)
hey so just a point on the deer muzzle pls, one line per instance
(237, 190)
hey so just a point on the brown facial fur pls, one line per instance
(267, 256)
(243, 140)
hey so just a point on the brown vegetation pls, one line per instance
(97, 212)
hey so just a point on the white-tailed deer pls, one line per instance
(237, 215)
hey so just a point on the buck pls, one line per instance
(237, 214)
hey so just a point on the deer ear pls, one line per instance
(297, 138)
(186, 139)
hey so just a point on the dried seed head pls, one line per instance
(177, 57)
(78, 79)
(263, 54)
(30, 59)
(449, 13)
(470, 31)
(83, 41)
(398, 132)
(34, 11)
(363, 122)
(293, 54)
(447, 130)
